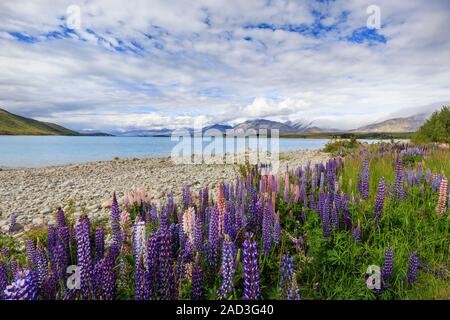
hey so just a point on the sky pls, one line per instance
(128, 65)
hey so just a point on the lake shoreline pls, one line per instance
(34, 194)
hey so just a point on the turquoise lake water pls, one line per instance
(41, 151)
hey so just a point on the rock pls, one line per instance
(106, 204)
(16, 228)
(47, 210)
(37, 221)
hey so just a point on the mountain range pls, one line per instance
(11, 124)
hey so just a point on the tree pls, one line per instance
(435, 129)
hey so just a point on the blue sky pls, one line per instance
(152, 64)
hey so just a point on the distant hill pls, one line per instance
(284, 128)
(407, 124)
(12, 124)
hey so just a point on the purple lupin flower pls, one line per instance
(115, 220)
(3, 277)
(325, 218)
(379, 202)
(366, 180)
(398, 185)
(388, 266)
(213, 239)
(287, 269)
(276, 228)
(99, 243)
(347, 219)
(335, 217)
(23, 288)
(61, 220)
(413, 266)
(267, 226)
(42, 270)
(197, 279)
(165, 272)
(30, 250)
(228, 270)
(251, 268)
(357, 233)
(152, 257)
(52, 240)
(84, 257)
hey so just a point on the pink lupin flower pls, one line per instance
(442, 196)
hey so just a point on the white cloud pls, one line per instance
(181, 61)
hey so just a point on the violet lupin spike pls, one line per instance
(398, 186)
(3, 277)
(380, 200)
(325, 219)
(99, 243)
(84, 257)
(228, 269)
(115, 220)
(197, 279)
(251, 269)
(366, 179)
(267, 226)
(61, 220)
(413, 267)
(213, 239)
(388, 266)
(276, 228)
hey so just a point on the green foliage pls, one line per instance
(341, 147)
(435, 129)
(17, 125)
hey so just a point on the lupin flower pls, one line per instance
(287, 269)
(293, 293)
(140, 243)
(3, 277)
(266, 227)
(189, 224)
(335, 217)
(325, 218)
(357, 233)
(413, 266)
(213, 238)
(365, 181)
(228, 270)
(23, 288)
(165, 265)
(115, 220)
(30, 250)
(388, 266)
(99, 243)
(221, 209)
(84, 257)
(186, 196)
(380, 200)
(398, 186)
(440, 208)
(197, 279)
(251, 268)
(276, 228)
(61, 220)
